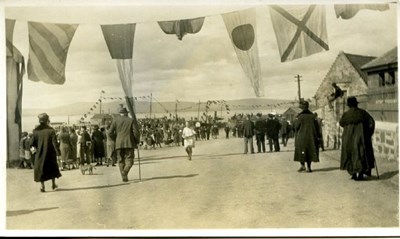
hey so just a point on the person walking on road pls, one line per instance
(44, 142)
(188, 135)
(248, 133)
(357, 155)
(306, 138)
(126, 134)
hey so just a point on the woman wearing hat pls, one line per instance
(357, 156)
(45, 143)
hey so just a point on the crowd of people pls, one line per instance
(50, 151)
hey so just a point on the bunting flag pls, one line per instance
(241, 27)
(347, 11)
(182, 27)
(300, 30)
(48, 49)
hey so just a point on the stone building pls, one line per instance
(291, 113)
(347, 74)
(382, 103)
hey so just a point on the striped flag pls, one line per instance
(48, 49)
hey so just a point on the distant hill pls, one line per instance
(163, 107)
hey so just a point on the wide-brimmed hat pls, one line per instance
(123, 110)
(43, 118)
(352, 101)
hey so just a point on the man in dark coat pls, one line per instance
(126, 134)
(248, 133)
(44, 141)
(285, 130)
(259, 129)
(306, 138)
(273, 127)
(357, 156)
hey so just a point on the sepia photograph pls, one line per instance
(200, 118)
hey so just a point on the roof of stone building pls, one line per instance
(102, 116)
(387, 58)
(358, 61)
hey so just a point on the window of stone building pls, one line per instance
(390, 78)
(381, 79)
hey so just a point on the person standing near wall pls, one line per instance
(357, 155)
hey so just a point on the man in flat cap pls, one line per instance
(357, 156)
(126, 134)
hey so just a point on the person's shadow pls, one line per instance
(325, 169)
(22, 212)
(384, 176)
(166, 177)
(89, 188)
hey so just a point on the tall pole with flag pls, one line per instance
(119, 39)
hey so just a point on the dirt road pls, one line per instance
(221, 188)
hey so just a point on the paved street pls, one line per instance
(221, 188)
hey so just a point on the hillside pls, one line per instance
(163, 107)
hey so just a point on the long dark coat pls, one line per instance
(45, 141)
(98, 144)
(306, 137)
(357, 153)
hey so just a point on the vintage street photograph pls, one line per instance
(200, 118)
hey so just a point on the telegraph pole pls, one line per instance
(198, 112)
(151, 102)
(298, 85)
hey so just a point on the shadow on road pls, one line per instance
(88, 188)
(22, 212)
(385, 176)
(325, 169)
(168, 177)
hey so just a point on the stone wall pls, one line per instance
(385, 140)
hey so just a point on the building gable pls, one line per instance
(346, 73)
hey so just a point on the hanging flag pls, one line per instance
(119, 39)
(10, 23)
(48, 48)
(347, 11)
(300, 30)
(241, 27)
(15, 72)
(182, 27)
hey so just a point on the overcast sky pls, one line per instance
(202, 66)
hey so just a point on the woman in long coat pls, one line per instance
(306, 138)
(357, 156)
(45, 143)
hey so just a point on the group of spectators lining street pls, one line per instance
(49, 151)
